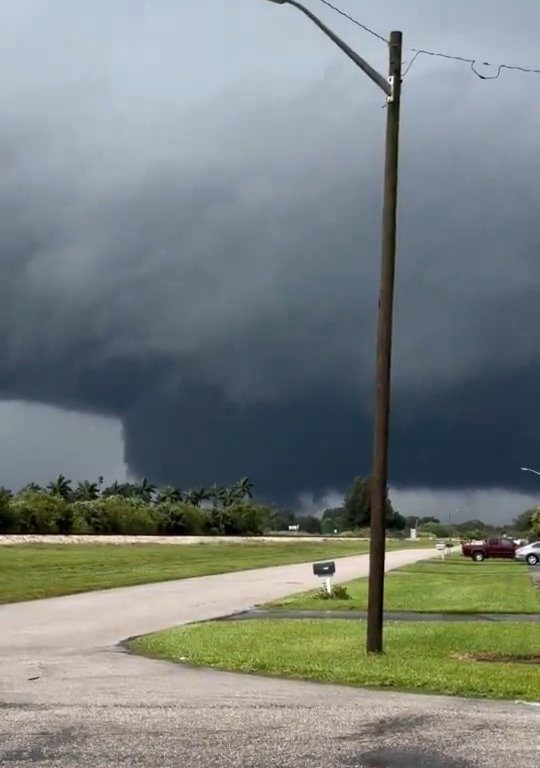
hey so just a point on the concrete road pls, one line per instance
(70, 697)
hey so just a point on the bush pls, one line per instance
(8, 516)
(177, 519)
(252, 519)
(39, 512)
(338, 592)
(117, 515)
(241, 519)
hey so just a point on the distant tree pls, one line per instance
(128, 491)
(180, 519)
(168, 495)
(243, 489)
(438, 530)
(522, 523)
(223, 497)
(86, 491)
(31, 488)
(281, 519)
(479, 525)
(309, 524)
(333, 520)
(8, 517)
(473, 529)
(60, 487)
(114, 489)
(5, 494)
(396, 521)
(534, 528)
(198, 495)
(143, 490)
(42, 512)
(429, 519)
(230, 496)
(358, 504)
(216, 492)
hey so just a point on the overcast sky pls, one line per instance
(189, 236)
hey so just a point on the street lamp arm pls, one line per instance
(527, 469)
(347, 50)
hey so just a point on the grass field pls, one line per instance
(30, 572)
(431, 657)
(455, 585)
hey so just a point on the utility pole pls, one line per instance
(391, 86)
(379, 475)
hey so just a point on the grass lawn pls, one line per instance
(455, 585)
(430, 657)
(31, 571)
(34, 571)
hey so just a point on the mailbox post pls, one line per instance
(441, 549)
(325, 571)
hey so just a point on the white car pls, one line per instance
(529, 553)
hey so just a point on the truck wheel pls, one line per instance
(478, 556)
(532, 559)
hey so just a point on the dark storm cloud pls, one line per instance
(209, 275)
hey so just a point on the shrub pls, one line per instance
(8, 516)
(339, 592)
(251, 519)
(240, 519)
(177, 519)
(118, 515)
(39, 512)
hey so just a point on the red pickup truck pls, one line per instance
(481, 550)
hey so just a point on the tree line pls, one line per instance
(355, 514)
(131, 509)
(137, 508)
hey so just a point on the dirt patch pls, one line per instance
(498, 658)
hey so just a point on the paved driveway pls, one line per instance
(70, 697)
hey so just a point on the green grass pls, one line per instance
(428, 656)
(455, 585)
(28, 572)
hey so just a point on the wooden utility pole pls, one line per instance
(379, 475)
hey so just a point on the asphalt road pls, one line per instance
(69, 696)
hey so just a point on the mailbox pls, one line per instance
(324, 569)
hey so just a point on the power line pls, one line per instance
(354, 21)
(474, 63)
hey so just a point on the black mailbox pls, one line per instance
(324, 569)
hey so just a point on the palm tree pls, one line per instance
(215, 492)
(229, 496)
(5, 494)
(114, 489)
(243, 488)
(60, 487)
(86, 491)
(144, 490)
(198, 495)
(31, 488)
(168, 495)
